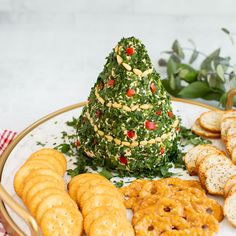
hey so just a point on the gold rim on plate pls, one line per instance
(7, 221)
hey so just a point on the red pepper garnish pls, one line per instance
(130, 133)
(153, 88)
(111, 82)
(170, 114)
(158, 113)
(150, 125)
(130, 92)
(129, 51)
(123, 160)
(77, 143)
(162, 150)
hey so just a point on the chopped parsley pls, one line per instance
(38, 143)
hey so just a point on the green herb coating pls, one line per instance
(112, 86)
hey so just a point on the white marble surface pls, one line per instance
(51, 51)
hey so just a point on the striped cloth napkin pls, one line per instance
(6, 136)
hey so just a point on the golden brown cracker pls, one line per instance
(50, 159)
(52, 201)
(37, 198)
(58, 155)
(102, 200)
(109, 224)
(62, 220)
(28, 184)
(23, 172)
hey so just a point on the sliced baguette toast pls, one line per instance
(233, 155)
(198, 130)
(208, 162)
(206, 152)
(230, 143)
(231, 130)
(232, 190)
(211, 121)
(226, 124)
(216, 177)
(229, 184)
(191, 157)
(230, 209)
(229, 114)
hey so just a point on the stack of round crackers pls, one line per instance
(40, 184)
(217, 174)
(208, 124)
(171, 206)
(216, 124)
(101, 204)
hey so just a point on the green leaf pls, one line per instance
(234, 69)
(223, 61)
(220, 72)
(162, 62)
(232, 82)
(196, 89)
(187, 73)
(171, 67)
(229, 34)
(215, 83)
(225, 30)
(64, 147)
(206, 64)
(175, 58)
(172, 82)
(192, 42)
(166, 84)
(212, 96)
(107, 174)
(193, 57)
(183, 73)
(119, 184)
(178, 49)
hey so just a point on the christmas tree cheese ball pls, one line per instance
(128, 124)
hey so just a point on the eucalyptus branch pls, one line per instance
(208, 81)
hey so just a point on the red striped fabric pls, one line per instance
(6, 136)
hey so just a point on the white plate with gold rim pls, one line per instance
(48, 130)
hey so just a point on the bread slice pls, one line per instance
(231, 130)
(211, 121)
(232, 190)
(226, 124)
(230, 209)
(198, 130)
(208, 162)
(230, 143)
(233, 155)
(229, 184)
(205, 152)
(229, 113)
(216, 177)
(192, 155)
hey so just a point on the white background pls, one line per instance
(51, 51)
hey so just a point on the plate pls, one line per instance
(48, 131)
